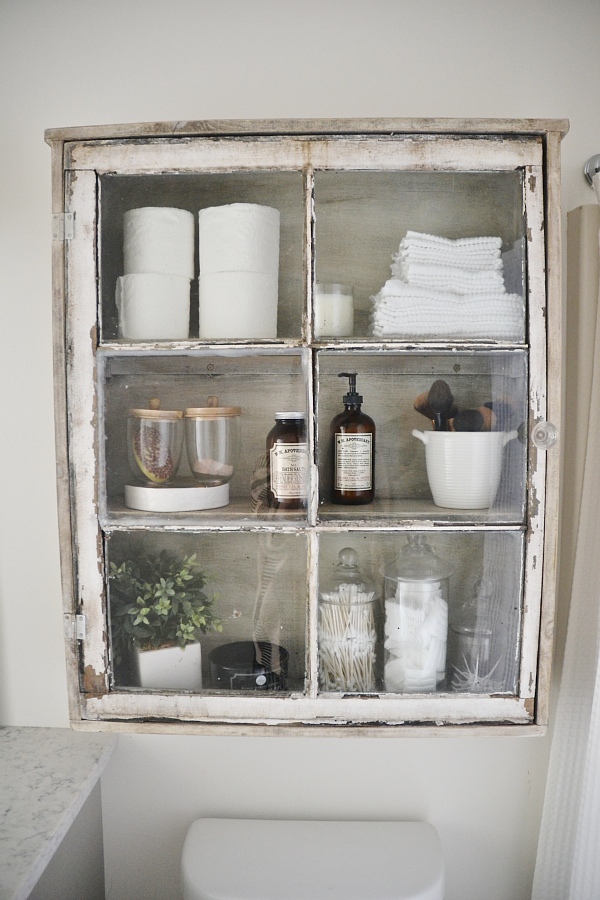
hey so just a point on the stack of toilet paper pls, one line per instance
(153, 296)
(239, 270)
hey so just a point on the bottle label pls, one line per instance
(289, 470)
(353, 461)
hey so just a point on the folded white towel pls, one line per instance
(497, 325)
(396, 287)
(443, 256)
(466, 253)
(449, 278)
(486, 329)
(421, 238)
(407, 311)
(451, 304)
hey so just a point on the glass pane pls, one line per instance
(241, 597)
(466, 462)
(420, 612)
(226, 406)
(473, 290)
(283, 283)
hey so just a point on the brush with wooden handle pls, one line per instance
(481, 419)
(439, 401)
(467, 420)
(504, 413)
(422, 406)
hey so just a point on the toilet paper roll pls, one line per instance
(238, 305)
(158, 239)
(153, 307)
(239, 237)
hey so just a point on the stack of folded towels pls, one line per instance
(442, 288)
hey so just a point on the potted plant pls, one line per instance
(159, 608)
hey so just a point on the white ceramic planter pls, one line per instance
(171, 668)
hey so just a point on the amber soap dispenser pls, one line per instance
(353, 446)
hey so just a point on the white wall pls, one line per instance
(74, 62)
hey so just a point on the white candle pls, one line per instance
(334, 310)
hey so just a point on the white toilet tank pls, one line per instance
(260, 859)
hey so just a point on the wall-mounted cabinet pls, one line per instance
(212, 282)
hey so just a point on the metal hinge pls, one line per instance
(75, 627)
(63, 226)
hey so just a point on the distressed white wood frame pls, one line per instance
(79, 157)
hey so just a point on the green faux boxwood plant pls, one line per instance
(158, 600)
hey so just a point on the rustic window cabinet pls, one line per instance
(347, 192)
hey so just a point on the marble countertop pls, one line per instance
(46, 775)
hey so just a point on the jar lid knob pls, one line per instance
(213, 402)
(348, 558)
(154, 403)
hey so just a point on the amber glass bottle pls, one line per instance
(353, 450)
(287, 462)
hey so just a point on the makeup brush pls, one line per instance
(489, 418)
(468, 420)
(504, 412)
(439, 400)
(421, 405)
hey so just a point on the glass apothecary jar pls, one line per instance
(212, 437)
(348, 628)
(154, 443)
(287, 462)
(416, 619)
(473, 658)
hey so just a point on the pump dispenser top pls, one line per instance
(352, 398)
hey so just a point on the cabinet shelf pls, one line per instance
(414, 513)
(381, 514)
(140, 348)
(238, 514)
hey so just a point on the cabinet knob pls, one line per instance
(544, 435)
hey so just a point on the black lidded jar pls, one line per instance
(287, 462)
(353, 450)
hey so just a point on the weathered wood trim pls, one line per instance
(312, 656)
(556, 315)
(538, 376)
(309, 252)
(81, 341)
(381, 730)
(61, 441)
(311, 127)
(433, 708)
(197, 347)
(416, 154)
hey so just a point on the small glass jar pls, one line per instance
(416, 619)
(287, 461)
(154, 443)
(472, 663)
(347, 628)
(333, 310)
(212, 437)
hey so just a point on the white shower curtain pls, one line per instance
(568, 860)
